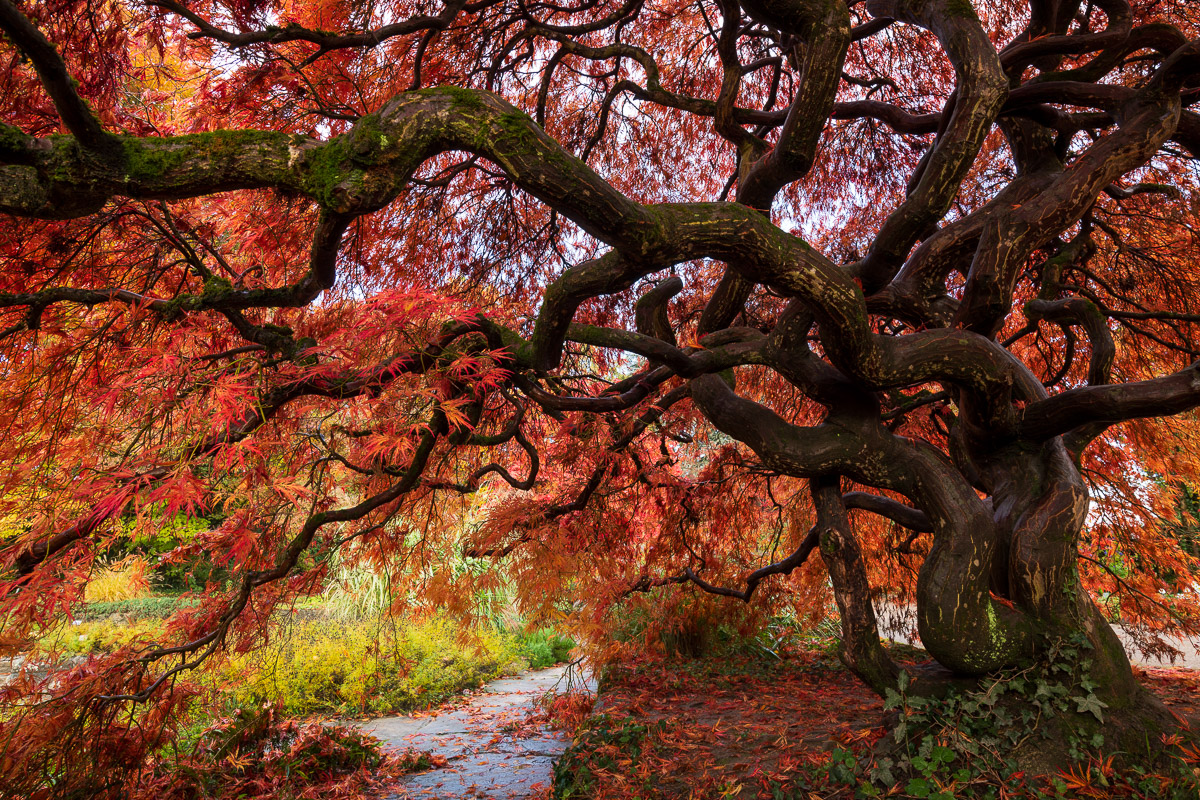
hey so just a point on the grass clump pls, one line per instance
(121, 580)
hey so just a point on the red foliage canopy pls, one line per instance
(601, 298)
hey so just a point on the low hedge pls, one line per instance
(136, 608)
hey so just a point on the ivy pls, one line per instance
(962, 743)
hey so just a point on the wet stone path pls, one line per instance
(490, 751)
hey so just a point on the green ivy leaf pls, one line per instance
(942, 754)
(1092, 705)
(918, 787)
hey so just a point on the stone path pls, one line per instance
(487, 759)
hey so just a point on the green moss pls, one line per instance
(146, 161)
(65, 159)
(996, 635)
(278, 338)
(13, 140)
(520, 349)
(303, 344)
(367, 140)
(470, 99)
(516, 124)
(150, 160)
(217, 288)
(512, 133)
(961, 8)
(354, 167)
(325, 169)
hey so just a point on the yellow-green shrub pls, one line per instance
(365, 667)
(327, 665)
(100, 636)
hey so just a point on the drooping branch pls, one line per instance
(653, 91)
(76, 114)
(284, 562)
(794, 561)
(1112, 404)
(325, 41)
(265, 408)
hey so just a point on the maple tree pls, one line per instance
(617, 295)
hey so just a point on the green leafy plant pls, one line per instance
(357, 592)
(261, 754)
(962, 743)
(544, 648)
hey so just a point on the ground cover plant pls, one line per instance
(803, 727)
(642, 309)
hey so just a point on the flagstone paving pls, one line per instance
(489, 750)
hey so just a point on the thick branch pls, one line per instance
(860, 648)
(981, 92)
(906, 516)
(1108, 405)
